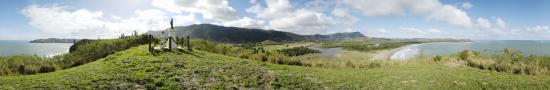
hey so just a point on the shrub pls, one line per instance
(511, 61)
(468, 54)
(81, 53)
(296, 51)
(438, 58)
(512, 55)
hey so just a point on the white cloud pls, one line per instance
(467, 5)
(304, 22)
(377, 7)
(380, 32)
(539, 29)
(501, 24)
(246, 22)
(451, 15)
(252, 1)
(282, 16)
(432, 30)
(209, 9)
(274, 9)
(410, 32)
(432, 9)
(344, 17)
(57, 19)
(486, 25)
(84, 23)
(483, 23)
(413, 30)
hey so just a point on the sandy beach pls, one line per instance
(391, 54)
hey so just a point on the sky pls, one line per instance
(469, 19)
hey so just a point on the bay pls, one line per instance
(527, 47)
(18, 47)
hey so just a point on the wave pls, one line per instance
(407, 52)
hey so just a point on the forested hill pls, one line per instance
(246, 35)
(54, 40)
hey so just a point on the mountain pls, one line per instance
(245, 35)
(54, 40)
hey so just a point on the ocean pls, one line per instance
(15, 47)
(527, 47)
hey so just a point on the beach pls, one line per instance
(400, 53)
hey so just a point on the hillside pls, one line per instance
(245, 35)
(135, 68)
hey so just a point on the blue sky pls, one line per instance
(472, 19)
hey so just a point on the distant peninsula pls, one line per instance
(54, 40)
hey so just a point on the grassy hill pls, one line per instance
(135, 68)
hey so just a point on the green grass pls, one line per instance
(135, 68)
(80, 54)
(365, 45)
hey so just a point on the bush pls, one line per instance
(511, 61)
(364, 45)
(297, 51)
(438, 58)
(468, 54)
(81, 53)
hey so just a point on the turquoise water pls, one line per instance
(528, 47)
(9, 47)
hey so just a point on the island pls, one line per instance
(54, 40)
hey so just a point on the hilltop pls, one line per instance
(136, 68)
(245, 35)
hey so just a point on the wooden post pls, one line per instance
(170, 43)
(150, 39)
(189, 44)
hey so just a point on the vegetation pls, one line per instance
(237, 35)
(135, 68)
(54, 40)
(118, 64)
(245, 51)
(510, 61)
(81, 54)
(26, 64)
(364, 45)
(297, 51)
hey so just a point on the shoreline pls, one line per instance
(404, 52)
(386, 54)
(389, 53)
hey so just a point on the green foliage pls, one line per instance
(364, 45)
(511, 61)
(513, 55)
(297, 51)
(137, 69)
(252, 51)
(25, 64)
(468, 54)
(438, 58)
(101, 48)
(81, 53)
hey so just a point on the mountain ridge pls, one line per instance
(247, 35)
